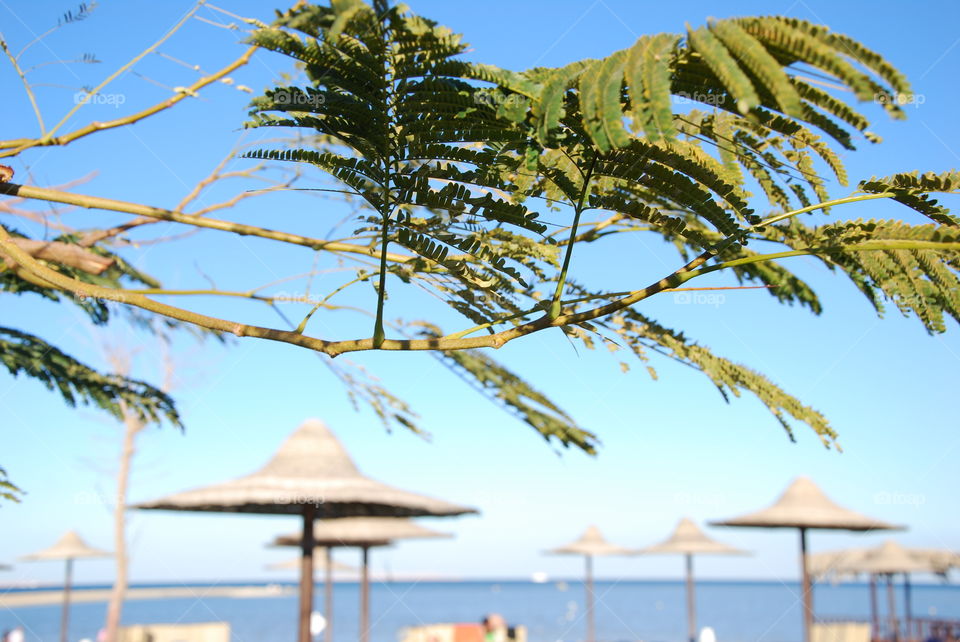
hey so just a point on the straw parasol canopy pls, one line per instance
(364, 533)
(69, 547)
(590, 544)
(804, 506)
(311, 476)
(311, 467)
(688, 540)
(890, 558)
(319, 562)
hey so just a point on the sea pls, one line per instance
(652, 611)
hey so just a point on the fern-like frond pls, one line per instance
(505, 388)
(917, 267)
(8, 491)
(643, 335)
(913, 189)
(25, 354)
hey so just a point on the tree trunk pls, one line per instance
(115, 606)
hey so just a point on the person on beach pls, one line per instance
(14, 635)
(495, 628)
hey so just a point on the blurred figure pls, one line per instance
(14, 635)
(317, 623)
(707, 635)
(495, 628)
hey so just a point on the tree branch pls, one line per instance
(16, 146)
(95, 202)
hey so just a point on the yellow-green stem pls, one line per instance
(556, 305)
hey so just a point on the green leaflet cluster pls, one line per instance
(913, 190)
(23, 353)
(921, 280)
(407, 131)
(457, 160)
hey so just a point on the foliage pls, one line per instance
(8, 491)
(478, 184)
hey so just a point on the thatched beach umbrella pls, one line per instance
(321, 560)
(837, 565)
(591, 544)
(311, 476)
(688, 540)
(888, 559)
(804, 506)
(364, 533)
(68, 548)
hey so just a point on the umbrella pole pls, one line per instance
(807, 588)
(874, 620)
(891, 602)
(306, 572)
(691, 602)
(591, 622)
(65, 614)
(328, 595)
(908, 607)
(365, 597)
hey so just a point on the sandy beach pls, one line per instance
(45, 598)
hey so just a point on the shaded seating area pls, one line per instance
(463, 632)
(203, 632)
(840, 632)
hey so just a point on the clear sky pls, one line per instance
(671, 448)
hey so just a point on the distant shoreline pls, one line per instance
(18, 599)
(22, 595)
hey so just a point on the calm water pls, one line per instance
(626, 611)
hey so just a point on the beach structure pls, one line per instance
(322, 560)
(311, 476)
(688, 540)
(887, 560)
(805, 507)
(197, 632)
(591, 544)
(68, 548)
(364, 533)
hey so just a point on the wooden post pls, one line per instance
(892, 604)
(908, 607)
(691, 602)
(306, 572)
(591, 621)
(365, 597)
(874, 617)
(328, 596)
(807, 589)
(65, 613)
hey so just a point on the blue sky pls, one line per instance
(671, 448)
